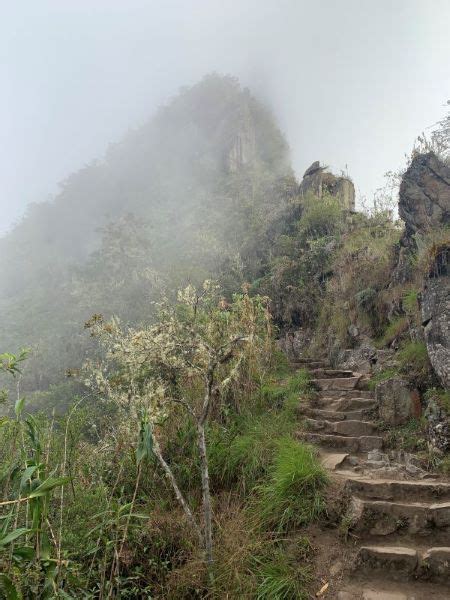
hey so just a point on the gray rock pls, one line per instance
(397, 404)
(424, 196)
(436, 316)
(374, 455)
(318, 181)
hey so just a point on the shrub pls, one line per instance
(280, 579)
(414, 362)
(393, 331)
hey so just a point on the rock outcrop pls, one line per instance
(436, 315)
(424, 199)
(319, 182)
(424, 206)
(397, 404)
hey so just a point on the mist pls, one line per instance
(351, 84)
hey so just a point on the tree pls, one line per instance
(185, 362)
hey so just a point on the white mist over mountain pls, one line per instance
(351, 83)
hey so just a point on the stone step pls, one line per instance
(422, 491)
(331, 415)
(349, 427)
(341, 442)
(395, 562)
(336, 383)
(380, 517)
(346, 404)
(334, 394)
(331, 373)
(435, 564)
(309, 364)
(378, 588)
(403, 563)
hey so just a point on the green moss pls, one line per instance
(381, 376)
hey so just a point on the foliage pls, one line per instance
(292, 495)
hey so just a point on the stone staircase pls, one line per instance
(398, 518)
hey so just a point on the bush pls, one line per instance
(414, 362)
(280, 579)
(393, 331)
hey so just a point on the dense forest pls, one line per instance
(162, 320)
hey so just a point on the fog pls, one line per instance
(351, 83)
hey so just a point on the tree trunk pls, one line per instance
(207, 513)
(170, 476)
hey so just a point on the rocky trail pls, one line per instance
(397, 518)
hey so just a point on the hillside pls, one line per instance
(238, 383)
(172, 202)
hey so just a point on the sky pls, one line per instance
(351, 82)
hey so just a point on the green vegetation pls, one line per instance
(293, 494)
(393, 331)
(80, 487)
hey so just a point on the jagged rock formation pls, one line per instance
(319, 182)
(436, 315)
(424, 199)
(424, 205)
(243, 147)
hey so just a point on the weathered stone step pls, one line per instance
(380, 517)
(331, 373)
(331, 415)
(346, 404)
(336, 383)
(348, 427)
(378, 588)
(403, 562)
(424, 491)
(334, 394)
(307, 363)
(397, 562)
(347, 443)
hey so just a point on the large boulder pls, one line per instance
(397, 403)
(424, 198)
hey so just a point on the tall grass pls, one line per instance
(293, 495)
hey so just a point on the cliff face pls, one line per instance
(318, 181)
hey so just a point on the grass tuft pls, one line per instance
(293, 494)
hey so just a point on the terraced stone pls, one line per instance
(339, 393)
(378, 517)
(331, 415)
(330, 373)
(347, 443)
(400, 562)
(339, 383)
(426, 491)
(347, 428)
(346, 404)
(354, 428)
(436, 564)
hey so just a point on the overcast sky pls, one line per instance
(352, 82)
